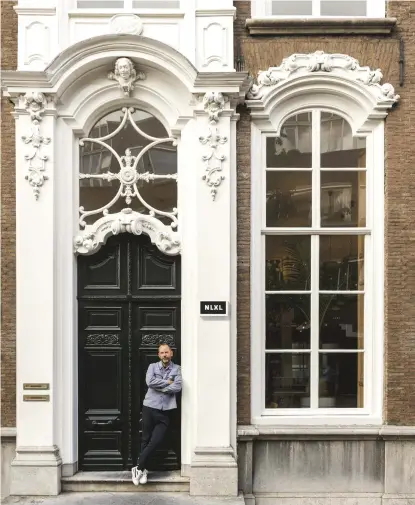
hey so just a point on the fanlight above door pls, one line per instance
(128, 182)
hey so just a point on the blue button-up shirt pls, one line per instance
(161, 395)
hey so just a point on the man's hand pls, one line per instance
(171, 380)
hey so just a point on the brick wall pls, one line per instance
(8, 220)
(377, 52)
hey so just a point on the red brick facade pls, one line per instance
(8, 225)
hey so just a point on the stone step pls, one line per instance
(115, 482)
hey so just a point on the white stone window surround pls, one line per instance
(262, 9)
(280, 94)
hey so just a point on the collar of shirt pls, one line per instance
(168, 367)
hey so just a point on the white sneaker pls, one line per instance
(136, 475)
(143, 479)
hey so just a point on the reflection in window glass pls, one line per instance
(342, 262)
(288, 199)
(343, 198)
(287, 380)
(292, 7)
(338, 147)
(343, 8)
(341, 321)
(287, 263)
(341, 383)
(287, 321)
(100, 4)
(292, 149)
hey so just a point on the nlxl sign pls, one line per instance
(213, 308)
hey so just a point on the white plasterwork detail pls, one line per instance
(320, 62)
(128, 175)
(214, 44)
(35, 104)
(37, 42)
(126, 75)
(126, 23)
(94, 236)
(213, 104)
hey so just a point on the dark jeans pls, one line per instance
(155, 424)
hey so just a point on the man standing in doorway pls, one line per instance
(164, 381)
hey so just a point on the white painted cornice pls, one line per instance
(103, 50)
(216, 12)
(35, 11)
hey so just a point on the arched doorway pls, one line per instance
(129, 289)
(128, 303)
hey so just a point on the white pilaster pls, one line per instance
(36, 468)
(214, 468)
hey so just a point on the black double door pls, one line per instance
(129, 303)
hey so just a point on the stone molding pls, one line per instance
(331, 65)
(249, 432)
(320, 26)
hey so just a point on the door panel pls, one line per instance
(125, 311)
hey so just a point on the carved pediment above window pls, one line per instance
(335, 66)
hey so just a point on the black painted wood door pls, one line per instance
(128, 302)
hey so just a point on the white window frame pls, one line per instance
(261, 9)
(128, 7)
(371, 413)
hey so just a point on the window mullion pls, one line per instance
(128, 5)
(315, 319)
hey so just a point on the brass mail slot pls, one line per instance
(36, 385)
(35, 398)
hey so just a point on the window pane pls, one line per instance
(288, 199)
(341, 382)
(100, 4)
(342, 262)
(339, 149)
(343, 7)
(343, 198)
(292, 149)
(156, 4)
(287, 321)
(292, 8)
(341, 321)
(287, 380)
(287, 261)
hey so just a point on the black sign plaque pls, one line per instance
(213, 308)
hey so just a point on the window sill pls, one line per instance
(320, 26)
(385, 432)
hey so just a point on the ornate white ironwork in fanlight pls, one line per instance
(165, 237)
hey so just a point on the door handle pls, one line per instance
(102, 423)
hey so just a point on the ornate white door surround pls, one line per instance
(56, 108)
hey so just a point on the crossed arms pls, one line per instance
(170, 386)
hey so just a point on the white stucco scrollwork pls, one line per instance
(94, 236)
(213, 104)
(126, 23)
(338, 65)
(35, 104)
(126, 75)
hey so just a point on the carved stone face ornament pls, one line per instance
(126, 75)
